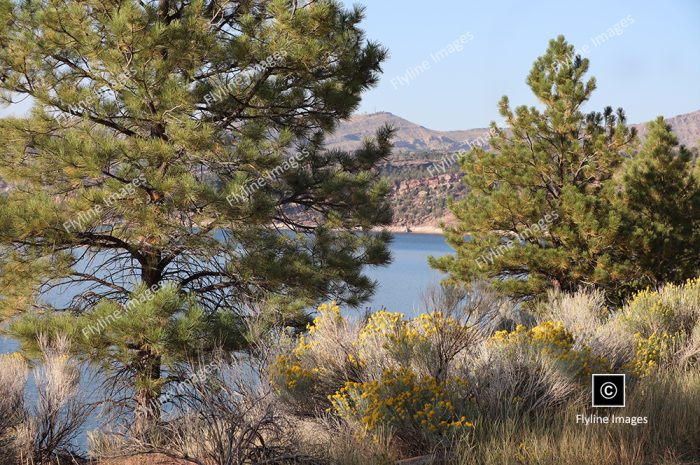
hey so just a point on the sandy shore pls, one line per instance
(414, 229)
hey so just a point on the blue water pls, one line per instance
(400, 285)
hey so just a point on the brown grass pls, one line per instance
(672, 436)
(146, 459)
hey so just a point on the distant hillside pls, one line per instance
(424, 169)
(686, 127)
(411, 137)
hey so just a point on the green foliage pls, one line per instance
(546, 207)
(661, 204)
(168, 145)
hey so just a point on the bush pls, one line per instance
(654, 329)
(551, 340)
(388, 374)
(13, 378)
(425, 379)
(423, 412)
(672, 309)
(222, 413)
(46, 430)
(529, 371)
(665, 325)
(671, 436)
(319, 363)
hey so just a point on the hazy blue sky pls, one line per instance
(652, 68)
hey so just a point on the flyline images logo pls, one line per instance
(608, 390)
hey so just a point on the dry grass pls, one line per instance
(672, 436)
(146, 459)
(519, 382)
(13, 377)
(45, 430)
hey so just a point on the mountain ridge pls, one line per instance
(412, 137)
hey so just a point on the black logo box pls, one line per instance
(608, 390)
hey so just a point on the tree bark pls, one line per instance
(149, 370)
(148, 397)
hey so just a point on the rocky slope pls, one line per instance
(423, 168)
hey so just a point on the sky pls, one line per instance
(651, 68)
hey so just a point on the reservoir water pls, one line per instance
(399, 285)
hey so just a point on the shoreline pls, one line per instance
(434, 230)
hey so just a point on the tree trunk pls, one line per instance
(148, 363)
(147, 396)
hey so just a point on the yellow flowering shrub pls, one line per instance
(651, 351)
(549, 335)
(430, 324)
(418, 409)
(379, 375)
(297, 373)
(385, 324)
(552, 339)
(661, 321)
(419, 381)
(672, 309)
(328, 314)
(390, 336)
(287, 373)
(386, 337)
(394, 328)
(647, 313)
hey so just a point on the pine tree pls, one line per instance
(171, 177)
(543, 208)
(660, 198)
